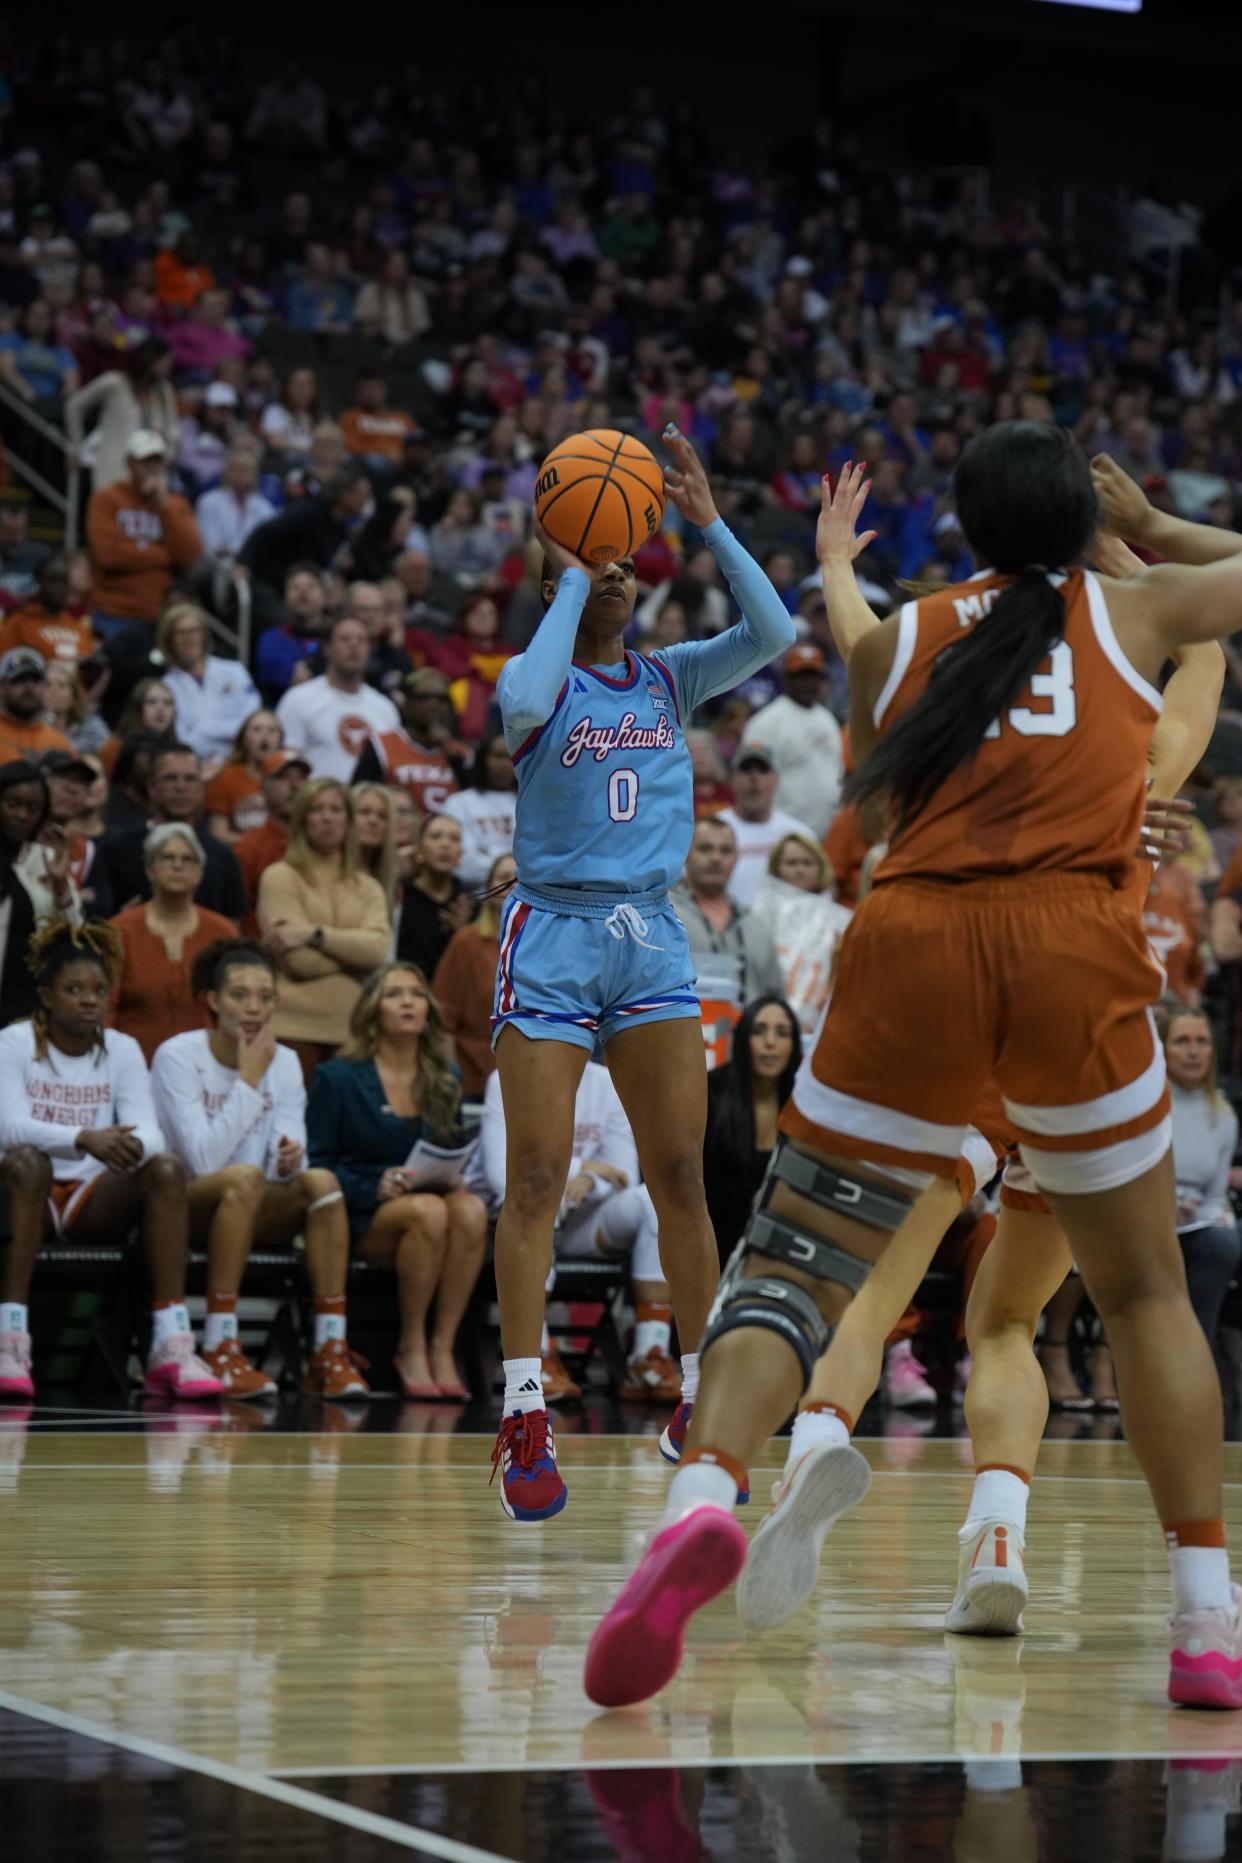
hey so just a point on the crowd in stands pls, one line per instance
(309, 352)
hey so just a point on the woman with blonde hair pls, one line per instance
(465, 980)
(326, 921)
(214, 696)
(392, 1085)
(235, 802)
(795, 902)
(375, 829)
(1205, 1132)
(67, 709)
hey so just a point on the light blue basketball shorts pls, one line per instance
(579, 967)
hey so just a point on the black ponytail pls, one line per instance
(1027, 506)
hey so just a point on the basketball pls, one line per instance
(600, 494)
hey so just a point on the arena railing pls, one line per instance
(66, 502)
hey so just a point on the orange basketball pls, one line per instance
(600, 494)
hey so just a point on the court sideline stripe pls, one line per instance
(265, 1785)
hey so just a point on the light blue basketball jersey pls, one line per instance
(605, 798)
(605, 790)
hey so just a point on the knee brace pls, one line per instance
(771, 1301)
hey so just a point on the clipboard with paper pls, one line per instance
(434, 1166)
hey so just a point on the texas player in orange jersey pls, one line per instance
(1007, 723)
(1007, 1397)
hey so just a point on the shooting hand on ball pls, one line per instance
(687, 482)
(560, 558)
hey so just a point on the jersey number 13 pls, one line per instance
(1057, 685)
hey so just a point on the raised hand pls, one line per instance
(686, 480)
(556, 553)
(836, 538)
(1124, 505)
(256, 1056)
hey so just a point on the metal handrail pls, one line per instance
(223, 577)
(65, 502)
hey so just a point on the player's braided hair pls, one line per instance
(58, 943)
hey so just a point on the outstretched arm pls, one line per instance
(1129, 513)
(530, 684)
(836, 546)
(703, 668)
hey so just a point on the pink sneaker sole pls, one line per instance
(637, 1649)
(1207, 1681)
(162, 1381)
(16, 1387)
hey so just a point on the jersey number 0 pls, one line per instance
(623, 795)
(1057, 684)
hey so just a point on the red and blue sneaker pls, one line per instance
(673, 1441)
(530, 1482)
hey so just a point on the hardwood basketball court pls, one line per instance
(335, 1645)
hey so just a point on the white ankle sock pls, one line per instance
(13, 1317)
(328, 1326)
(1200, 1577)
(812, 1427)
(523, 1387)
(167, 1322)
(697, 1484)
(997, 1495)
(649, 1333)
(218, 1327)
(689, 1377)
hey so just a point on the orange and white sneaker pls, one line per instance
(239, 1377)
(558, 1386)
(335, 1372)
(653, 1378)
(782, 1565)
(992, 1587)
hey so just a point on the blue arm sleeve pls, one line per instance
(702, 668)
(530, 684)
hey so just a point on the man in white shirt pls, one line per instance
(333, 716)
(755, 820)
(227, 515)
(805, 739)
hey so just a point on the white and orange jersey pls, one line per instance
(1058, 782)
(45, 1101)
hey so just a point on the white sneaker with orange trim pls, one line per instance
(782, 1565)
(992, 1587)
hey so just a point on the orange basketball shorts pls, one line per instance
(1044, 984)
